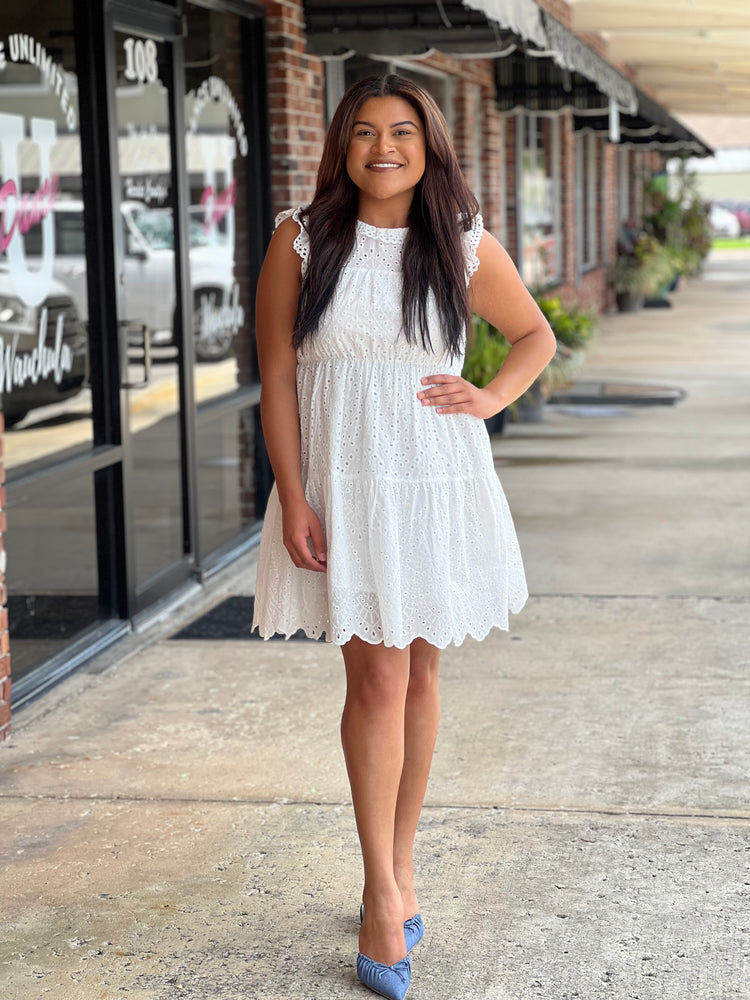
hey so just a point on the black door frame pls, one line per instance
(167, 28)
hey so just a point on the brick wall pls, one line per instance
(610, 204)
(493, 199)
(4, 643)
(568, 185)
(296, 102)
(510, 129)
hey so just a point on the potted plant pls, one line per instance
(680, 223)
(639, 272)
(486, 351)
(573, 329)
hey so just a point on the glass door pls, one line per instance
(148, 237)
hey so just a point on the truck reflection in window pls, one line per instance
(148, 242)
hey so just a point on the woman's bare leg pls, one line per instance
(372, 734)
(421, 718)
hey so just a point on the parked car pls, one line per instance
(723, 222)
(742, 211)
(148, 274)
(43, 350)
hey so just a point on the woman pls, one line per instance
(387, 528)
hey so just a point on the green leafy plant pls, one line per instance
(571, 326)
(644, 270)
(486, 351)
(679, 223)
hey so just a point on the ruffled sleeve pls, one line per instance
(471, 242)
(302, 240)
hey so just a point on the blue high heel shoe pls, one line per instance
(413, 931)
(413, 928)
(389, 981)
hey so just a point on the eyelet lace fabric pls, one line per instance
(420, 541)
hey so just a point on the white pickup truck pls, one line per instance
(148, 274)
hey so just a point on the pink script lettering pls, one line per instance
(30, 209)
(219, 204)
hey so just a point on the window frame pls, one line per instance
(528, 127)
(588, 185)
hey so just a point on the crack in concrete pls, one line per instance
(742, 817)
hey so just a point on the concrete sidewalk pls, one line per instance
(176, 818)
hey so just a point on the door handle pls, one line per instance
(137, 335)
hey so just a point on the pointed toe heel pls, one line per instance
(413, 931)
(389, 981)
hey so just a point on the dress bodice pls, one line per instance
(363, 320)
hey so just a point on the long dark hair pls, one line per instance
(443, 207)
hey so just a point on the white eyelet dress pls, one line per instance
(419, 538)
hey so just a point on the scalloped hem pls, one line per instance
(317, 633)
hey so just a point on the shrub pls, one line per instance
(486, 351)
(572, 327)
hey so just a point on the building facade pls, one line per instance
(144, 150)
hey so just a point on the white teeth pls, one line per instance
(382, 166)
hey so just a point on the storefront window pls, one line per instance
(219, 156)
(43, 297)
(226, 488)
(587, 197)
(51, 542)
(52, 572)
(540, 198)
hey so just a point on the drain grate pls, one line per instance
(231, 619)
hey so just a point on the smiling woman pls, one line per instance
(387, 529)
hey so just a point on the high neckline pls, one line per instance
(381, 232)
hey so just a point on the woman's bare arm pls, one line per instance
(275, 316)
(498, 295)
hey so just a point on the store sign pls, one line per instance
(216, 206)
(145, 190)
(217, 154)
(228, 316)
(26, 49)
(19, 367)
(20, 212)
(216, 89)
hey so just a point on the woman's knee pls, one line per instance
(377, 675)
(424, 663)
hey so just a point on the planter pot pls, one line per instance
(496, 423)
(530, 407)
(628, 302)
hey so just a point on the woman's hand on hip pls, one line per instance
(303, 537)
(453, 394)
